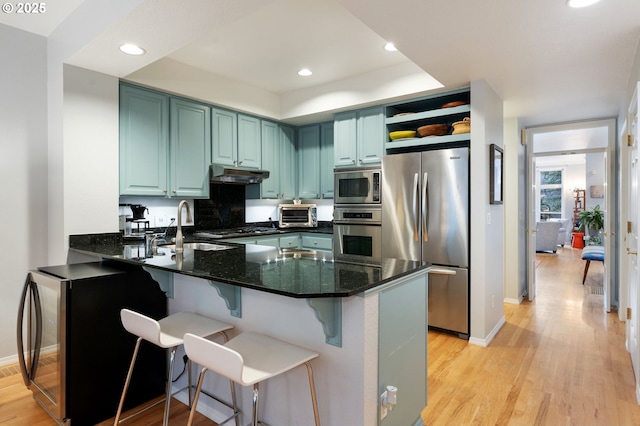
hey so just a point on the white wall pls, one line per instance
(594, 176)
(514, 241)
(487, 221)
(90, 152)
(23, 171)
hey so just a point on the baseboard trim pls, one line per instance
(487, 340)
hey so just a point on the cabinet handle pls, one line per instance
(239, 162)
(315, 243)
(164, 190)
(353, 161)
(174, 191)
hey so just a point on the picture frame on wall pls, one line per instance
(496, 173)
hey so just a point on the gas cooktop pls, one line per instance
(245, 230)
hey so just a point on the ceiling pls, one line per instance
(548, 63)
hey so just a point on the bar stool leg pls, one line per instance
(172, 358)
(312, 386)
(196, 396)
(126, 382)
(254, 408)
(586, 269)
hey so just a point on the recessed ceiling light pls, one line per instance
(132, 49)
(581, 3)
(390, 47)
(305, 72)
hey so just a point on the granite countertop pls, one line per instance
(293, 273)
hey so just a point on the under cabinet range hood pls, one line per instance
(221, 173)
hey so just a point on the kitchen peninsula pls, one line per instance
(368, 322)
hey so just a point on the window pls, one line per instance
(550, 195)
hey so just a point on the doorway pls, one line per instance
(561, 184)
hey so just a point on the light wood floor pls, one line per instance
(559, 360)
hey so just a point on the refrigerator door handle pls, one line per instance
(19, 330)
(441, 271)
(29, 290)
(416, 207)
(425, 208)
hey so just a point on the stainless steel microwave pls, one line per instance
(357, 185)
(298, 215)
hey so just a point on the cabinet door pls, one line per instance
(271, 159)
(309, 162)
(190, 151)
(249, 142)
(370, 136)
(288, 163)
(144, 125)
(344, 142)
(317, 242)
(326, 160)
(290, 241)
(225, 137)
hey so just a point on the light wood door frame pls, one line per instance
(630, 228)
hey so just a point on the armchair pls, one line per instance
(563, 233)
(547, 236)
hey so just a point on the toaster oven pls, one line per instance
(298, 216)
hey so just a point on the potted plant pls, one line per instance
(592, 221)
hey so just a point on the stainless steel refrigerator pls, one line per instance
(425, 216)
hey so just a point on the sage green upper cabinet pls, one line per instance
(309, 161)
(249, 142)
(279, 158)
(326, 160)
(288, 163)
(190, 148)
(225, 137)
(158, 162)
(144, 142)
(315, 161)
(359, 137)
(236, 139)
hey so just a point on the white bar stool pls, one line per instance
(168, 333)
(248, 359)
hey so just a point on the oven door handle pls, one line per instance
(425, 208)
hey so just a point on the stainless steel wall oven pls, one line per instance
(357, 234)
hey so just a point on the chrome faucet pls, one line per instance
(179, 224)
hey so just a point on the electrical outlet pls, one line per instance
(383, 406)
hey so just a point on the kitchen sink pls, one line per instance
(199, 246)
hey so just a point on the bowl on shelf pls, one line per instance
(402, 134)
(463, 126)
(453, 104)
(433, 130)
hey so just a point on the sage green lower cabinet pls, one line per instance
(315, 157)
(310, 240)
(402, 348)
(290, 241)
(279, 158)
(314, 241)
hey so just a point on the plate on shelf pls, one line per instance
(402, 134)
